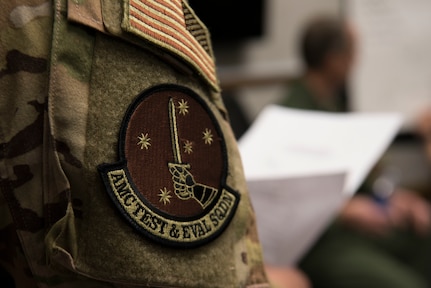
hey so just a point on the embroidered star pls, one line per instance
(144, 141)
(188, 147)
(165, 196)
(183, 106)
(208, 136)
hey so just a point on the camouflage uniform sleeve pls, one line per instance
(118, 164)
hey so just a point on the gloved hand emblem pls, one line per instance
(185, 186)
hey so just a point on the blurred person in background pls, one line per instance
(371, 243)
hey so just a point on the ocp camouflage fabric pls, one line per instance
(68, 72)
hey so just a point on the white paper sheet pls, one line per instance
(291, 213)
(302, 166)
(284, 142)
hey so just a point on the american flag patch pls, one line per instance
(172, 25)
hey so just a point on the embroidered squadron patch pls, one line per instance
(170, 181)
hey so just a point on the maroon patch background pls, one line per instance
(148, 168)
